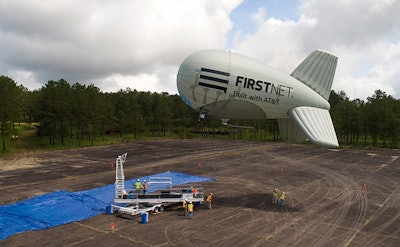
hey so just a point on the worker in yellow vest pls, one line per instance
(124, 194)
(138, 185)
(144, 187)
(190, 209)
(282, 199)
(184, 206)
(275, 196)
(209, 200)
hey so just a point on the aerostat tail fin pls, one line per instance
(317, 72)
(309, 122)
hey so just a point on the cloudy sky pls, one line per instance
(140, 44)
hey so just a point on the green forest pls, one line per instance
(62, 115)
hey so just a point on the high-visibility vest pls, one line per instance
(190, 207)
(282, 197)
(138, 185)
(209, 198)
(144, 186)
(184, 204)
(275, 193)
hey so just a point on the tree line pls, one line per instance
(79, 112)
(374, 122)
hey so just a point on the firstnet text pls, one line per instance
(264, 86)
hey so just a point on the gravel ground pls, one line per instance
(327, 203)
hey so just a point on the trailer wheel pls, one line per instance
(162, 208)
(156, 209)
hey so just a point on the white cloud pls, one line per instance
(363, 72)
(364, 34)
(140, 44)
(97, 40)
(140, 82)
(26, 76)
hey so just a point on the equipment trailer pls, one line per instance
(137, 202)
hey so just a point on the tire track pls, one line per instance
(327, 191)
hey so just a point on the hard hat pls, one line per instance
(276, 189)
(190, 201)
(211, 193)
(138, 180)
(144, 180)
(283, 192)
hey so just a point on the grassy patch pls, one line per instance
(29, 141)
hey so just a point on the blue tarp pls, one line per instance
(62, 207)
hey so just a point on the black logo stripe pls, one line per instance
(212, 86)
(214, 79)
(210, 76)
(215, 71)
